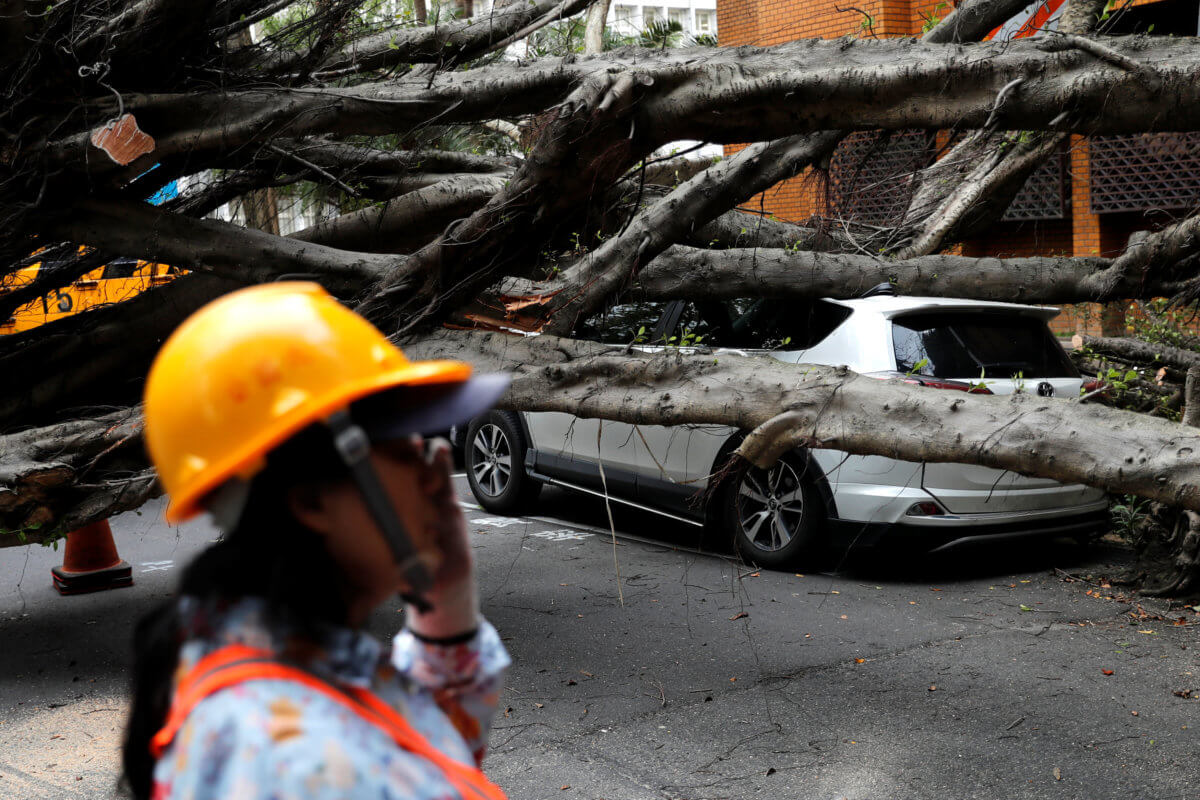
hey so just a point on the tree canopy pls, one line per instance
(474, 185)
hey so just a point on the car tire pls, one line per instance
(773, 517)
(495, 464)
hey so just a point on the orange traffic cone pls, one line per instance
(91, 563)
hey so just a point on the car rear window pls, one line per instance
(964, 345)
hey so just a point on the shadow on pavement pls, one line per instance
(894, 564)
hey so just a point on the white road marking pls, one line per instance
(563, 535)
(156, 566)
(499, 522)
(605, 532)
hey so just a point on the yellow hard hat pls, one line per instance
(252, 368)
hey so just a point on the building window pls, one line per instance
(651, 15)
(704, 21)
(623, 15)
(680, 15)
(1141, 171)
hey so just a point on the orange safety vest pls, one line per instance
(236, 664)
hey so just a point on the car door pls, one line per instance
(673, 461)
(573, 448)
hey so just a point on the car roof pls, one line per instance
(896, 305)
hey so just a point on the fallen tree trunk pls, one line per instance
(833, 408)
(799, 405)
(684, 272)
(56, 479)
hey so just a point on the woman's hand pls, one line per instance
(454, 597)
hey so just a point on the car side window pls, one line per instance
(623, 324)
(774, 324)
(703, 323)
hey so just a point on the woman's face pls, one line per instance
(414, 484)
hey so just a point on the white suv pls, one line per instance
(810, 499)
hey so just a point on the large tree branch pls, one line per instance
(139, 230)
(833, 408)
(580, 153)
(971, 21)
(684, 272)
(58, 478)
(994, 181)
(691, 205)
(1136, 351)
(447, 43)
(408, 222)
(1147, 253)
(702, 198)
(718, 95)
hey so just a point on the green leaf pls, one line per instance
(1026, 608)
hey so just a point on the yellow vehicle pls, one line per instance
(117, 280)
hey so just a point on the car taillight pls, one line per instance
(934, 383)
(1094, 385)
(926, 509)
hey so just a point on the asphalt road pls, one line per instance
(644, 669)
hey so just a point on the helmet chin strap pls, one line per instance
(352, 445)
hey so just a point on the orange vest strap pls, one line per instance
(236, 664)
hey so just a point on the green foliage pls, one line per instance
(662, 34)
(917, 367)
(1127, 514)
(1163, 323)
(558, 39)
(932, 18)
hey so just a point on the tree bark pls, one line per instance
(693, 204)
(408, 222)
(593, 34)
(240, 253)
(831, 407)
(684, 272)
(1138, 352)
(55, 479)
(718, 95)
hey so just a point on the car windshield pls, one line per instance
(991, 344)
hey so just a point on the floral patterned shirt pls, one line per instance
(280, 740)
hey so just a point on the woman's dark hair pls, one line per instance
(267, 554)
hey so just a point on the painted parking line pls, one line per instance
(579, 531)
(498, 522)
(562, 535)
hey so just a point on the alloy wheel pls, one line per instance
(770, 505)
(492, 459)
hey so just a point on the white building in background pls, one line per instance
(696, 17)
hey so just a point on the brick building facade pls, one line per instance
(1087, 201)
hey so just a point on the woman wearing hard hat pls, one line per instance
(297, 425)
